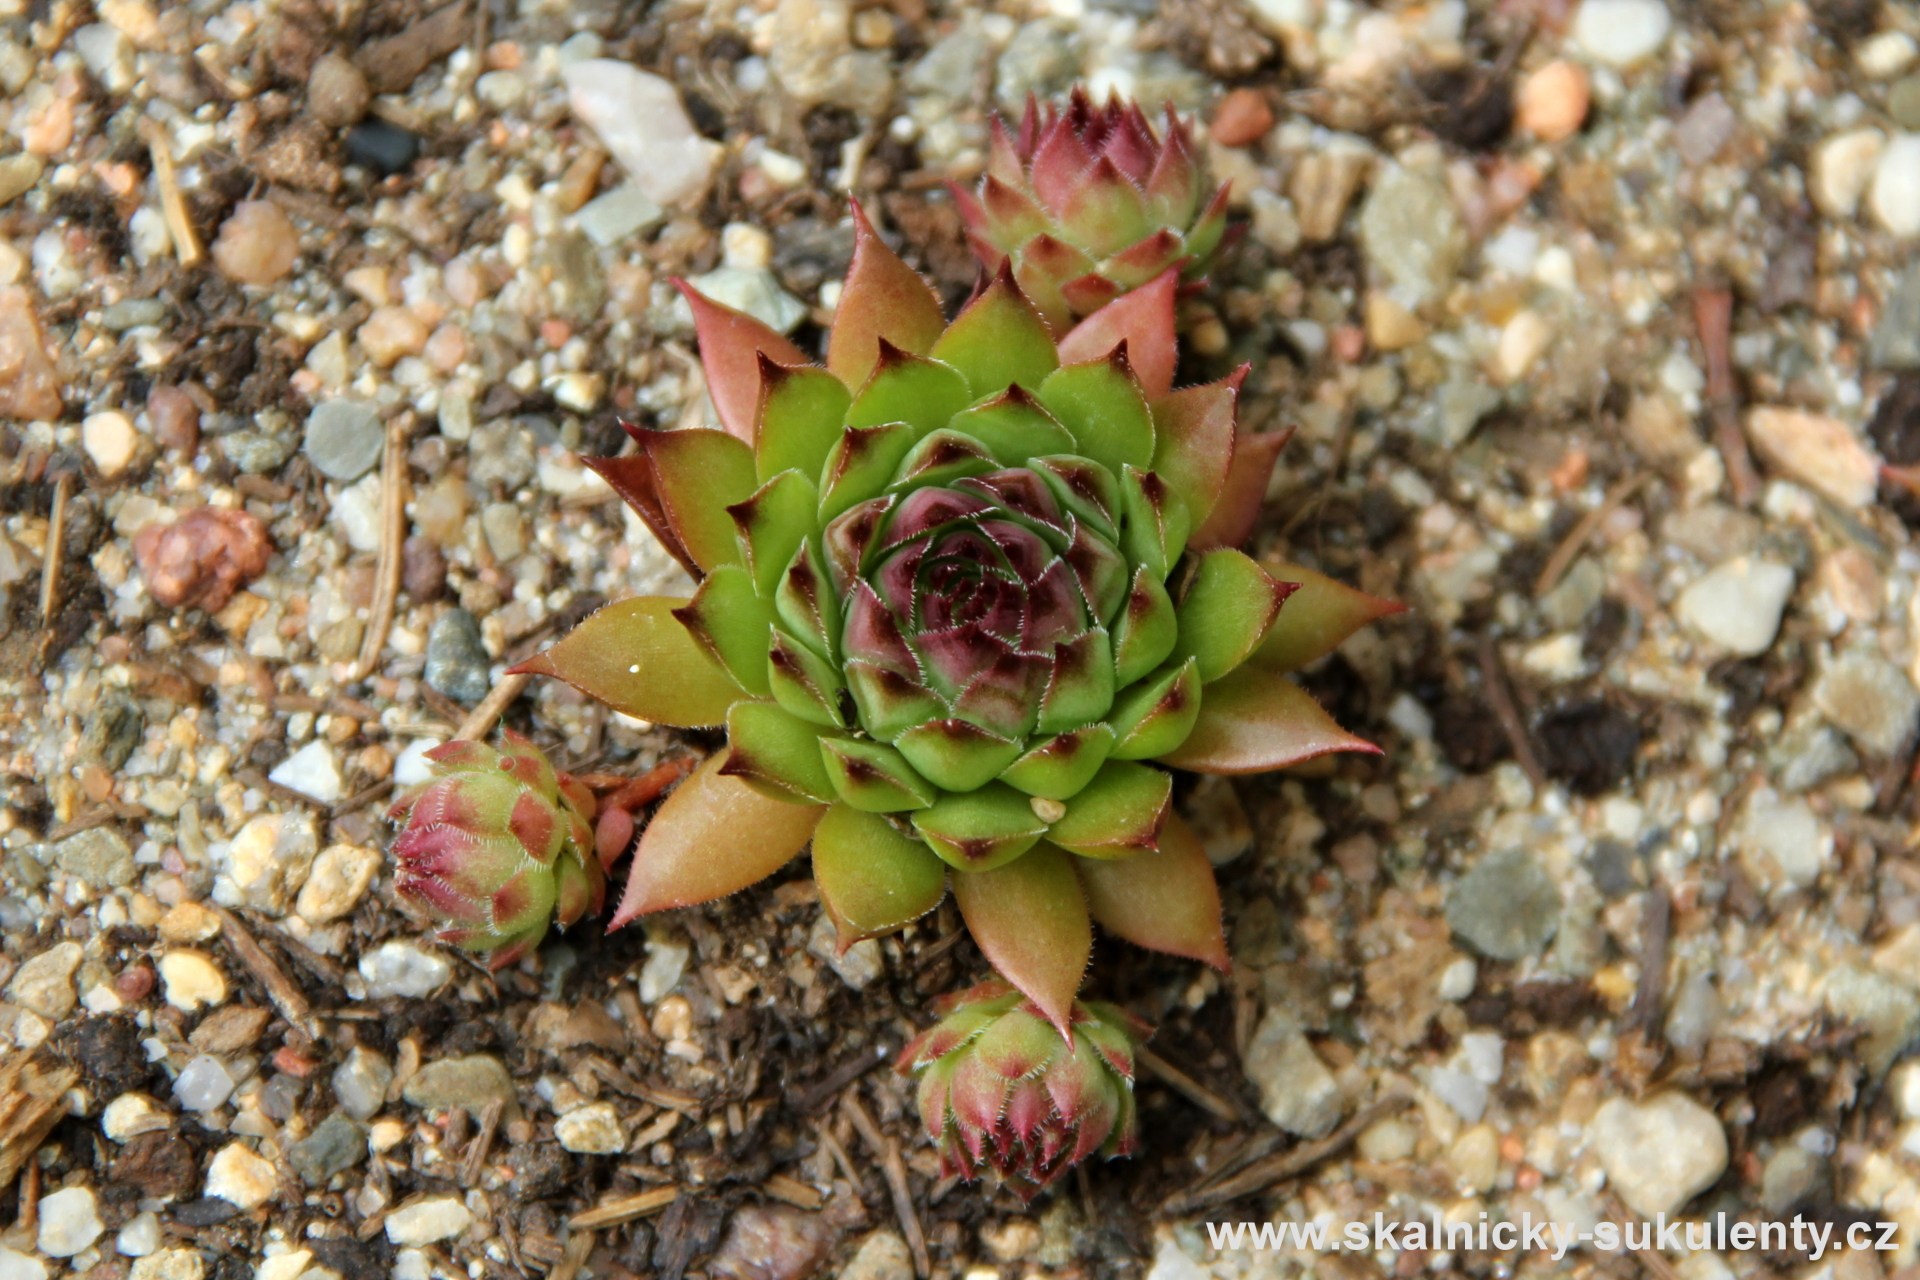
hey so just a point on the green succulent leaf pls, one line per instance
(1084, 489)
(1106, 211)
(699, 474)
(1030, 919)
(802, 413)
(1156, 715)
(806, 605)
(1166, 900)
(981, 829)
(874, 778)
(884, 300)
(1193, 441)
(943, 457)
(872, 878)
(1057, 768)
(1254, 721)
(778, 752)
(771, 525)
(1316, 618)
(1102, 405)
(1080, 689)
(1143, 319)
(715, 835)
(1145, 633)
(636, 657)
(955, 755)
(890, 704)
(1156, 521)
(804, 682)
(1118, 814)
(1227, 611)
(1015, 427)
(998, 341)
(921, 392)
(861, 464)
(731, 620)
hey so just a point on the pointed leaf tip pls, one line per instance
(732, 346)
(1142, 320)
(884, 298)
(1030, 919)
(1255, 721)
(1166, 900)
(715, 835)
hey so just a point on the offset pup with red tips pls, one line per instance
(965, 593)
(1089, 203)
(497, 847)
(1002, 1090)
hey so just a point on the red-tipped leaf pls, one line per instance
(1316, 618)
(639, 659)
(1233, 516)
(1031, 923)
(1166, 900)
(731, 344)
(883, 298)
(1254, 721)
(715, 835)
(1143, 320)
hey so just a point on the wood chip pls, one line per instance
(579, 1245)
(1185, 1085)
(33, 1099)
(281, 991)
(391, 561)
(793, 1191)
(173, 205)
(626, 1208)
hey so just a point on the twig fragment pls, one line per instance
(793, 1191)
(573, 1257)
(1493, 676)
(393, 536)
(626, 1208)
(1577, 537)
(281, 992)
(173, 205)
(896, 1172)
(1713, 317)
(482, 1142)
(1185, 1085)
(1290, 1163)
(492, 707)
(56, 548)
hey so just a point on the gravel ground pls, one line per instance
(1600, 324)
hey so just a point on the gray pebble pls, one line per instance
(256, 453)
(457, 661)
(470, 1082)
(100, 858)
(1506, 908)
(336, 1145)
(344, 439)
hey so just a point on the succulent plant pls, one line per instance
(1090, 202)
(497, 846)
(1002, 1088)
(963, 593)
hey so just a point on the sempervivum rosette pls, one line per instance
(964, 593)
(497, 847)
(1001, 1089)
(1088, 203)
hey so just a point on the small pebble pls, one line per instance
(337, 92)
(771, 1242)
(1621, 32)
(639, 119)
(21, 1266)
(381, 147)
(240, 1177)
(457, 661)
(1297, 1092)
(312, 771)
(428, 1221)
(360, 1083)
(132, 1114)
(202, 558)
(591, 1130)
(177, 1263)
(175, 418)
(340, 877)
(44, 983)
(391, 334)
(69, 1222)
(1737, 605)
(1659, 1153)
(336, 1144)
(1506, 907)
(192, 980)
(18, 173)
(1894, 200)
(1820, 452)
(1843, 166)
(1868, 698)
(343, 439)
(203, 1084)
(403, 969)
(1244, 116)
(257, 243)
(140, 1237)
(1552, 102)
